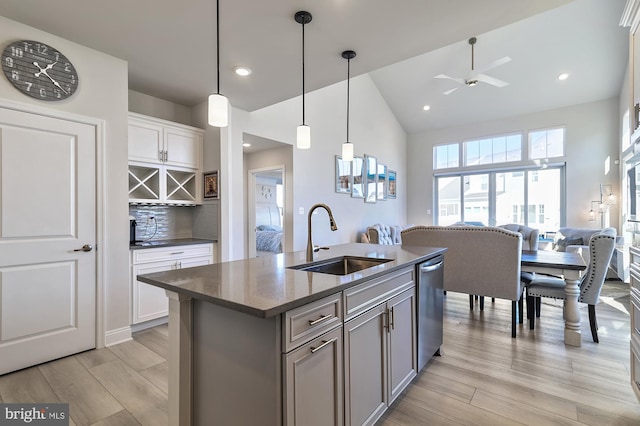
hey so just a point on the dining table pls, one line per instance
(570, 266)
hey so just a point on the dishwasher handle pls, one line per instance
(430, 268)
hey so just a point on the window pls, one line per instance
(546, 144)
(528, 197)
(498, 149)
(446, 156)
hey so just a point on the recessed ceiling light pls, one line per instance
(563, 76)
(246, 145)
(242, 71)
(426, 107)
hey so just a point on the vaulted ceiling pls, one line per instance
(403, 44)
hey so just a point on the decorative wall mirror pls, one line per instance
(343, 175)
(370, 179)
(382, 182)
(357, 174)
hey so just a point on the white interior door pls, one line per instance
(47, 215)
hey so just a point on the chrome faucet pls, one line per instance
(332, 222)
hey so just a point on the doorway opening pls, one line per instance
(266, 211)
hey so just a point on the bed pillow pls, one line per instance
(274, 228)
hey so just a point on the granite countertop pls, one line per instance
(169, 243)
(264, 287)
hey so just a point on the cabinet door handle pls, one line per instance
(324, 343)
(385, 319)
(161, 156)
(179, 265)
(391, 320)
(166, 156)
(319, 320)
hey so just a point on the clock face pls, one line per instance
(38, 70)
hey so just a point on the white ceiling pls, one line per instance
(170, 48)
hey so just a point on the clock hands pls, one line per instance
(44, 71)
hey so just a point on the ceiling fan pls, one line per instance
(477, 75)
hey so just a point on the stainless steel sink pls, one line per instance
(343, 265)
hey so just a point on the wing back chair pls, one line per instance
(480, 260)
(601, 246)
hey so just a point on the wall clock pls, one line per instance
(39, 70)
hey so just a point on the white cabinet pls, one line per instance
(634, 269)
(380, 347)
(152, 140)
(150, 302)
(165, 161)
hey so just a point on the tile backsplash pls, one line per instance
(172, 222)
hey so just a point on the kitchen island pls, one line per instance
(256, 342)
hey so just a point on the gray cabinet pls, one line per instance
(314, 382)
(380, 346)
(312, 356)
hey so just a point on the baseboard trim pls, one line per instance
(119, 335)
(148, 324)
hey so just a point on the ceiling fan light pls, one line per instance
(218, 110)
(303, 137)
(472, 83)
(563, 76)
(347, 151)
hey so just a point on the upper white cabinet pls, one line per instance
(165, 161)
(158, 141)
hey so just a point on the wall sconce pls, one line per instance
(601, 207)
(596, 208)
(606, 195)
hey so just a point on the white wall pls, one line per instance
(159, 108)
(373, 129)
(592, 135)
(102, 94)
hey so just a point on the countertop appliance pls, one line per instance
(430, 311)
(132, 230)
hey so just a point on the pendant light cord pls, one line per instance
(218, 45)
(348, 91)
(303, 122)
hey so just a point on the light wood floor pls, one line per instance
(483, 378)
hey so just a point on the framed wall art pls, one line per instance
(343, 175)
(370, 179)
(211, 185)
(381, 185)
(357, 174)
(391, 178)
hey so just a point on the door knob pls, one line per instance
(86, 247)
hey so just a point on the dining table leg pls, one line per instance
(571, 312)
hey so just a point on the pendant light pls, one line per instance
(303, 134)
(218, 104)
(347, 147)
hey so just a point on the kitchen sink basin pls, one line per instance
(343, 265)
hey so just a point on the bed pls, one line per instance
(268, 229)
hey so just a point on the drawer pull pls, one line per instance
(319, 320)
(177, 252)
(324, 343)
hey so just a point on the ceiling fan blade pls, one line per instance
(450, 91)
(459, 80)
(490, 66)
(491, 80)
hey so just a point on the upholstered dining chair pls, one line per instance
(601, 248)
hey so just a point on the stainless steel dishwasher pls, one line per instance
(430, 296)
